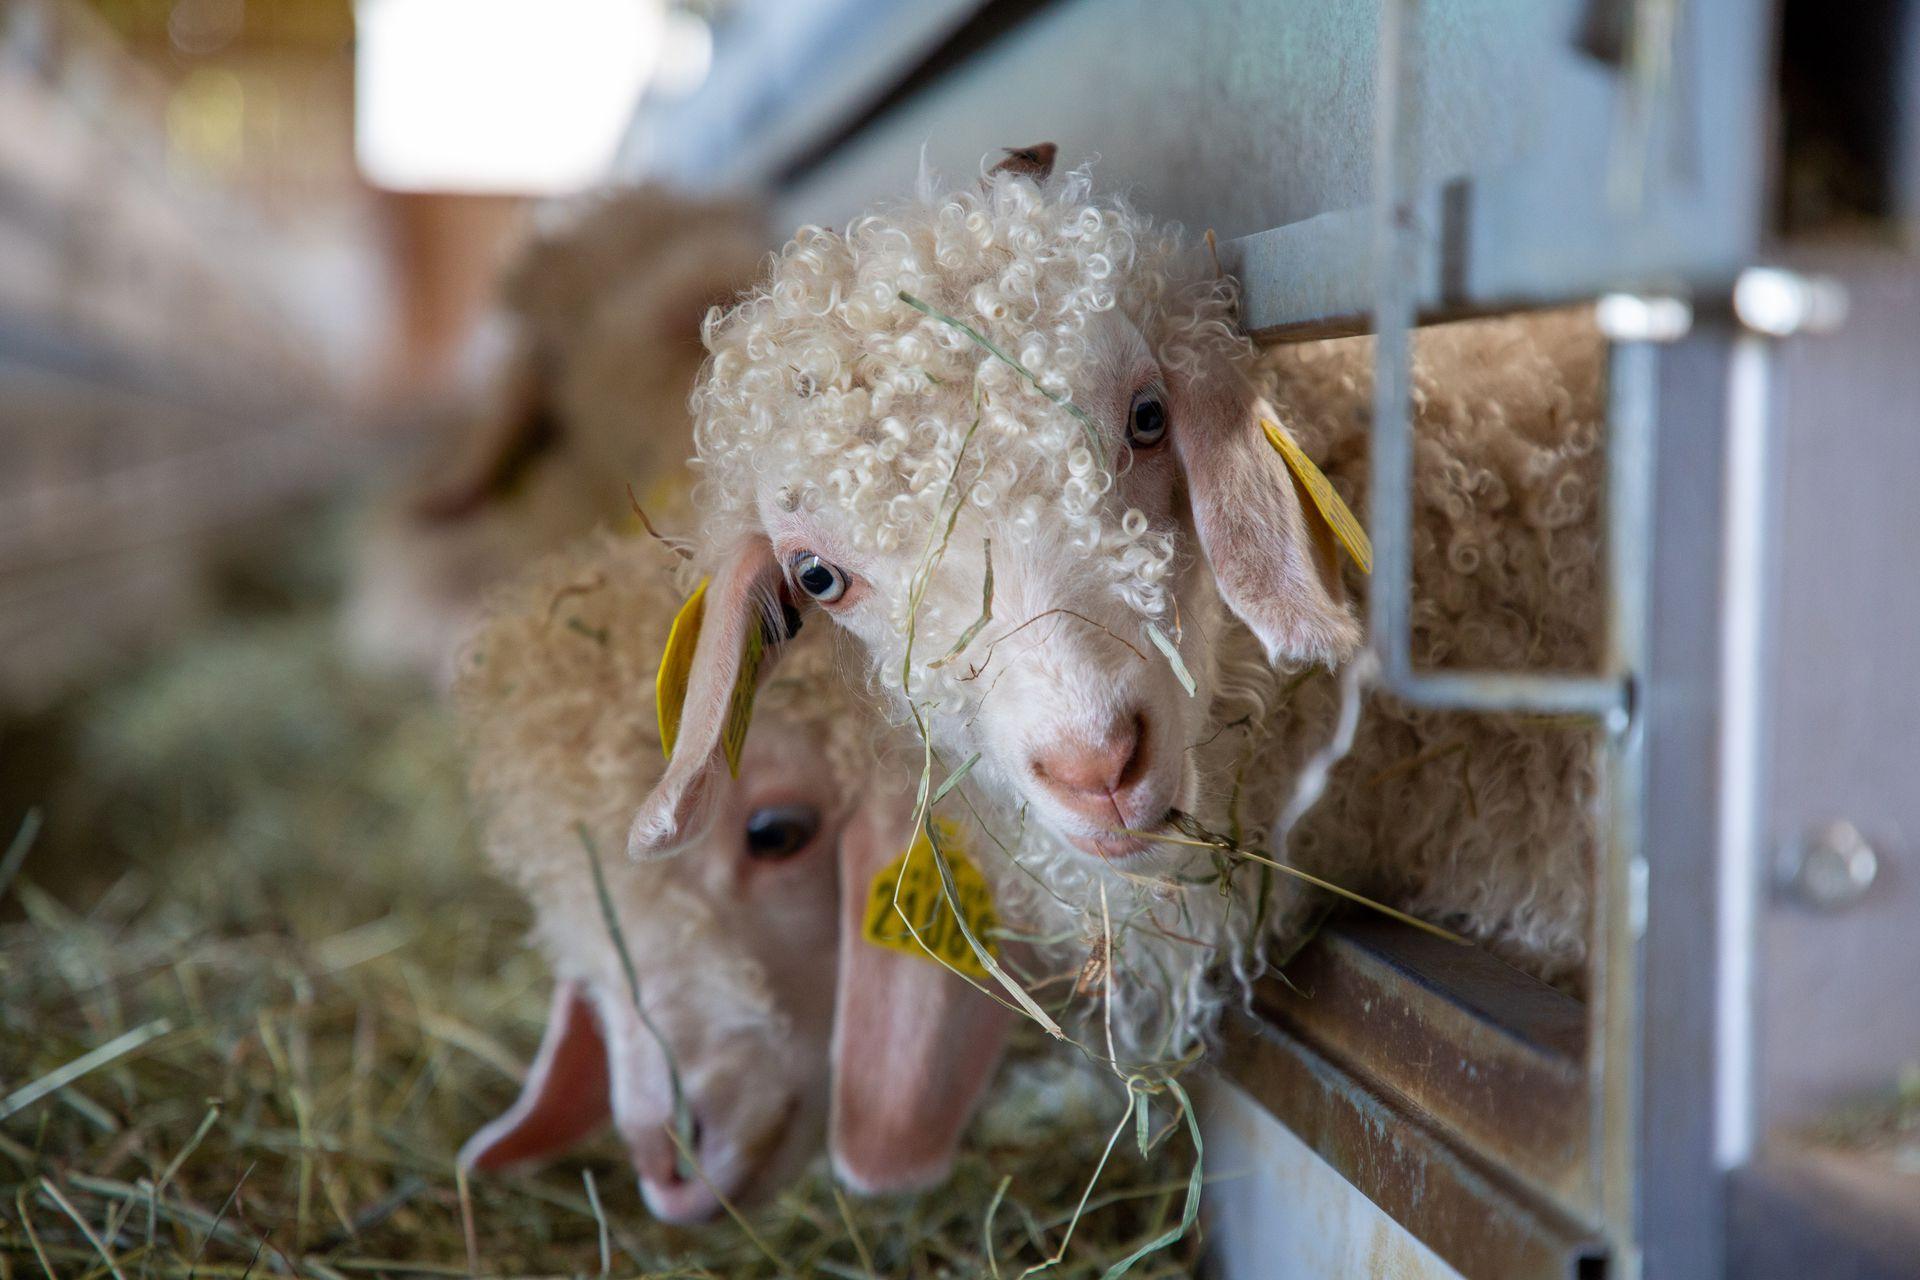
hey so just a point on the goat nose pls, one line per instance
(671, 1195)
(656, 1157)
(1079, 771)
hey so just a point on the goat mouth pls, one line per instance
(743, 1175)
(1120, 845)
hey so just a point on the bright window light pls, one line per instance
(512, 96)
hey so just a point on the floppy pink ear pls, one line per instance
(913, 1045)
(566, 1098)
(744, 593)
(1274, 563)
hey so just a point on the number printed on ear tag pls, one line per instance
(1333, 509)
(923, 900)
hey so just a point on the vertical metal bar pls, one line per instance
(1679, 1193)
(1396, 263)
(1620, 876)
(1742, 629)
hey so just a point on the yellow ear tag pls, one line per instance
(676, 666)
(924, 901)
(676, 672)
(1348, 530)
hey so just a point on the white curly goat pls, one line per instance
(736, 946)
(1020, 395)
(606, 309)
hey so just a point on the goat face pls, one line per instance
(733, 948)
(1020, 378)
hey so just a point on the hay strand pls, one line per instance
(610, 917)
(986, 344)
(87, 1063)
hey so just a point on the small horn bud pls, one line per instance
(1034, 162)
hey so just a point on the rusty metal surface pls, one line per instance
(1469, 1213)
(1486, 1055)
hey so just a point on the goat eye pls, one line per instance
(824, 582)
(1147, 421)
(778, 833)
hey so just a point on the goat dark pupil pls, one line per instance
(816, 578)
(773, 834)
(1149, 421)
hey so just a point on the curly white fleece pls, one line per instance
(825, 370)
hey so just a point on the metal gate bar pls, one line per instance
(1620, 873)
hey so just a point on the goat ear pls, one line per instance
(566, 1098)
(743, 622)
(497, 451)
(1034, 162)
(1271, 552)
(913, 1045)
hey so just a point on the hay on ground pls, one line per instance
(300, 993)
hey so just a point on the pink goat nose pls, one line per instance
(1085, 776)
(658, 1165)
(671, 1195)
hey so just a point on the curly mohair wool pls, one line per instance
(826, 370)
(1485, 824)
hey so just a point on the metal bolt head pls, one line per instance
(1781, 303)
(1637, 317)
(1832, 868)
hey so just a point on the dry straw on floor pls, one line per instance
(254, 1041)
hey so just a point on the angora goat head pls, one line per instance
(1021, 376)
(750, 985)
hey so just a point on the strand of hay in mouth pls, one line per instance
(1205, 839)
(285, 881)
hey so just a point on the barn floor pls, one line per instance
(255, 990)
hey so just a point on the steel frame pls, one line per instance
(1659, 1185)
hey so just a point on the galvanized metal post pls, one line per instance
(1396, 264)
(1703, 741)
(1635, 327)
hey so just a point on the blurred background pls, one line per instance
(250, 256)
